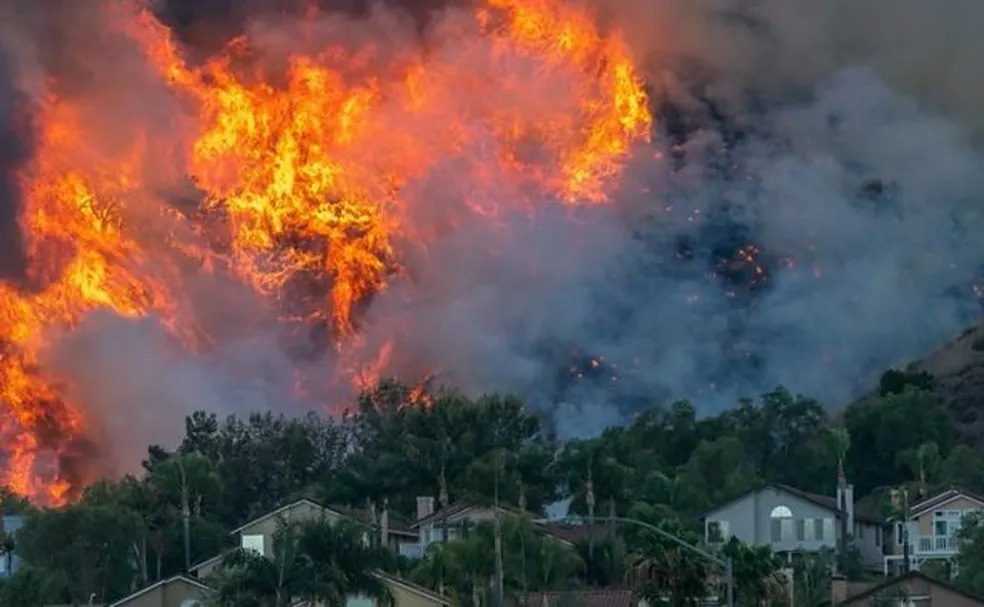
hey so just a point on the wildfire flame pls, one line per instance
(311, 166)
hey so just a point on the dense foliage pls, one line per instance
(664, 468)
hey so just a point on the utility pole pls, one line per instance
(185, 514)
(497, 589)
(905, 532)
(720, 561)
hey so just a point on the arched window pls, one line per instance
(782, 524)
(781, 512)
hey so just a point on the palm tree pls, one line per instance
(336, 561)
(313, 560)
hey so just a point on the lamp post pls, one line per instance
(722, 562)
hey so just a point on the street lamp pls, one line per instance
(722, 562)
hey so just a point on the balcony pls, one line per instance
(934, 545)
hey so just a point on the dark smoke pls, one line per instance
(16, 137)
(805, 215)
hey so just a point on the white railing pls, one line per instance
(934, 544)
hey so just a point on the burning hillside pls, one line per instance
(489, 196)
(310, 166)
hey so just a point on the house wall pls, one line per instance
(268, 527)
(924, 522)
(167, 595)
(432, 532)
(870, 541)
(749, 519)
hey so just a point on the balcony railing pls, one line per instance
(934, 544)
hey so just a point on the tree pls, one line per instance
(882, 427)
(970, 554)
(314, 560)
(757, 574)
(86, 548)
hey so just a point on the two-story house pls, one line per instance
(789, 520)
(932, 526)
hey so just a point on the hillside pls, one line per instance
(958, 367)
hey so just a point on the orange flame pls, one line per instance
(314, 165)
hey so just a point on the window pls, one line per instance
(717, 532)
(899, 533)
(781, 519)
(941, 527)
(811, 529)
(254, 543)
(800, 530)
(829, 532)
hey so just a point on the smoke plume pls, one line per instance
(805, 215)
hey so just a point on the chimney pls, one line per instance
(845, 501)
(425, 506)
(384, 523)
(838, 588)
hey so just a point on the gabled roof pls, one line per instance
(941, 498)
(143, 591)
(457, 509)
(396, 526)
(609, 597)
(824, 501)
(278, 512)
(912, 575)
(415, 588)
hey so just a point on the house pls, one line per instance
(790, 520)
(178, 591)
(430, 526)
(9, 561)
(932, 525)
(601, 597)
(258, 535)
(914, 589)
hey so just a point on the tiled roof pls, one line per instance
(860, 599)
(576, 533)
(610, 597)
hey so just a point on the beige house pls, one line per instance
(178, 591)
(914, 589)
(258, 535)
(932, 525)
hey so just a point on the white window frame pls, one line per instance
(254, 542)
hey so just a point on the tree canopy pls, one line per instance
(664, 467)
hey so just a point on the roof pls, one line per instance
(573, 533)
(218, 557)
(912, 575)
(824, 501)
(941, 498)
(456, 509)
(565, 532)
(610, 597)
(143, 591)
(415, 588)
(396, 526)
